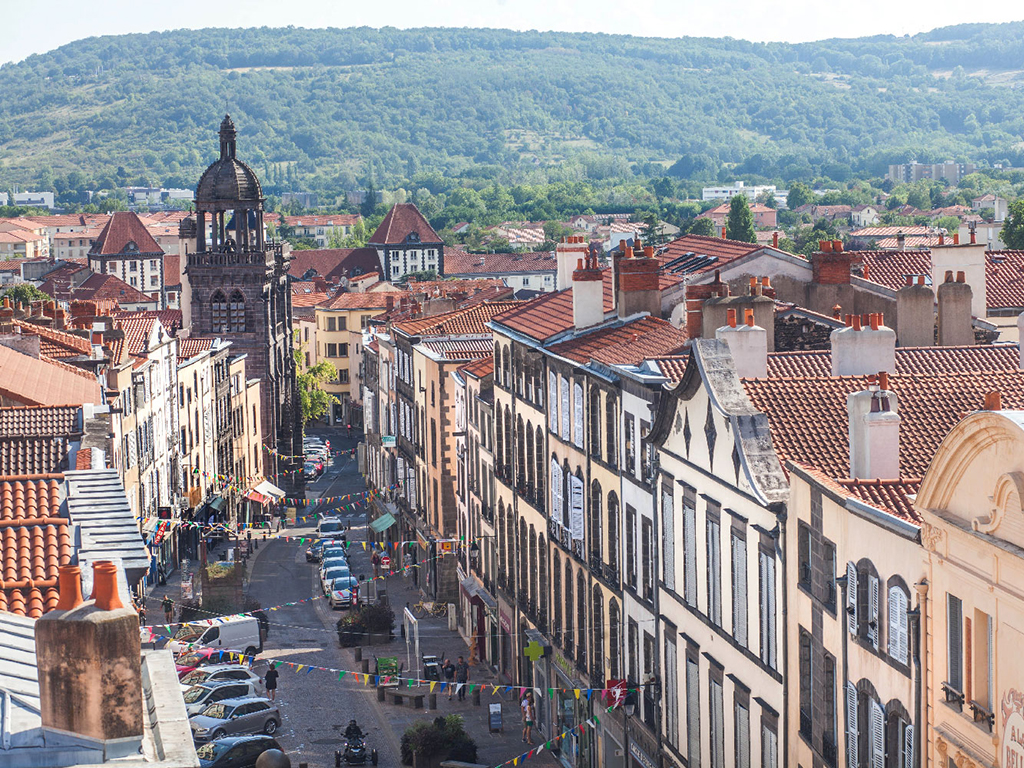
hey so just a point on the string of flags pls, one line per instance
(593, 722)
(295, 457)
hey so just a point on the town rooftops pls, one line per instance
(190, 346)
(460, 349)
(172, 270)
(323, 220)
(549, 315)
(332, 264)
(624, 343)
(34, 439)
(125, 235)
(479, 369)
(459, 262)
(98, 506)
(460, 322)
(695, 255)
(404, 224)
(368, 301)
(53, 343)
(41, 381)
(170, 319)
(910, 361)
(105, 286)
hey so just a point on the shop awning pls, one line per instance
(253, 495)
(473, 588)
(267, 488)
(151, 525)
(217, 503)
(383, 522)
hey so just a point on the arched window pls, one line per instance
(499, 442)
(595, 422)
(614, 639)
(508, 444)
(236, 312)
(556, 595)
(506, 368)
(570, 604)
(542, 604)
(219, 312)
(520, 456)
(581, 619)
(530, 462)
(596, 513)
(533, 571)
(610, 422)
(897, 630)
(523, 581)
(613, 532)
(502, 543)
(540, 465)
(597, 636)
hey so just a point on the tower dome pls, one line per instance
(229, 181)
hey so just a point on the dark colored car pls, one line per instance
(313, 551)
(235, 751)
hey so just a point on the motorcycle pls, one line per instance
(356, 753)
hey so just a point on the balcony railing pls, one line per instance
(829, 749)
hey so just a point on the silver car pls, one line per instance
(232, 717)
(198, 697)
(217, 673)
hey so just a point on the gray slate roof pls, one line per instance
(97, 505)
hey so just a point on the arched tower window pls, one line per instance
(219, 312)
(236, 312)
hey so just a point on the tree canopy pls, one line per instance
(740, 223)
(1012, 233)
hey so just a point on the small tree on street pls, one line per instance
(313, 400)
(740, 224)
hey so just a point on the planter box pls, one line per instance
(348, 639)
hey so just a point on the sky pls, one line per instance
(39, 27)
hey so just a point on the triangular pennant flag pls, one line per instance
(310, 669)
(299, 668)
(432, 684)
(577, 692)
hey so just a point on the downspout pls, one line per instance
(841, 610)
(918, 620)
(779, 510)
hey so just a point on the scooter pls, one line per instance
(356, 754)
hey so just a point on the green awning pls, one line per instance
(383, 522)
(217, 503)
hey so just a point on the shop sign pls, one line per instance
(506, 622)
(641, 756)
(422, 540)
(566, 665)
(1011, 750)
(615, 692)
(387, 441)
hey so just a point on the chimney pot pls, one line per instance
(874, 319)
(753, 282)
(69, 583)
(766, 282)
(883, 380)
(956, 238)
(949, 276)
(867, 271)
(837, 312)
(920, 279)
(825, 246)
(974, 236)
(731, 317)
(837, 246)
(649, 251)
(942, 238)
(748, 316)
(104, 579)
(961, 277)
(856, 322)
(775, 239)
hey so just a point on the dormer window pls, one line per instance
(413, 237)
(131, 247)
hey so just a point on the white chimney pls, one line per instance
(567, 254)
(874, 432)
(587, 294)
(748, 345)
(863, 347)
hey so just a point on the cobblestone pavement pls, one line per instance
(316, 706)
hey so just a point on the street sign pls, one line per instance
(385, 563)
(494, 717)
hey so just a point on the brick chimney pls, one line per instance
(748, 345)
(915, 314)
(830, 266)
(587, 293)
(89, 664)
(862, 348)
(567, 254)
(638, 283)
(955, 298)
(874, 431)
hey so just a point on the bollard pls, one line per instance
(476, 697)
(366, 666)
(380, 693)
(337, 758)
(359, 652)
(433, 700)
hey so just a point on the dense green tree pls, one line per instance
(799, 194)
(25, 293)
(1012, 233)
(739, 224)
(704, 227)
(314, 401)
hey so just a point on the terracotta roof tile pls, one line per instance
(32, 455)
(39, 420)
(125, 228)
(459, 262)
(455, 287)
(191, 346)
(697, 254)
(333, 263)
(461, 349)
(170, 319)
(172, 270)
(34, 542)
(137, 329)
(672, 366)
(460, 322)
(910, 361)
(494, 293)
(402, 220)
(891, 268)
(479, 369)
(626, 344)
(42, 381)
(1004, 279)
(55, 344)
(889, 496)
(324, 220)
(917, 230)
(98, 287)
(549, 315)
(346, 300)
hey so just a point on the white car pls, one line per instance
(317, 450)
(335, 572)
(339, 593)
(216, 673)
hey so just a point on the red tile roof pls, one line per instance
(459, 262)
(626, 344)
(401, 221)
(42, 381)
(549, 315)
(323, 220)
(672, 366)
(39, 420)
(1004, 279)
(191, 346)
(890, 268)
(11, 265)
(494, 293)
(124, 228)
(34, 542)
(696, 254)
(889, 496)
(910, 361)
(919, 230)
(172, 270)
(460, 322)
(98, 287)
(55, 344)
(57, 283)
(455, 287)
(364, 300)
(461, 349)
(34, 439)
(333, 263)
(170, 319)
(479, 369)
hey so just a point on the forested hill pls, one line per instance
(319, 106)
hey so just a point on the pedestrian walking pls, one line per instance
(140, 606)
(528, 717)
(168, 607)
(449, 674)
(461, 677)
(375, 562)
(270, 681)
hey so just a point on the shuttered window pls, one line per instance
(565, 409)
(955, 645)
(714, 544)
(741, 729)
(739, 589)
(876, 735)
(769, 747)
(555, 513)
(692, 712)
(767, 609)
(671, 692)
(898, 642)
(577, 415)
(717, 726)
(668, 538)
(907, 758)
(851, 598)
(552, 400)
(690, 551)
(872, 597)
(852, 731)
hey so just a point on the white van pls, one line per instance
(239, 632)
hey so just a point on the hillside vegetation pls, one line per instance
(325, 108)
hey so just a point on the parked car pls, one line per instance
(334, 561)
(216, 673)
(309, 471)
(204, 657)
(335, 572)
(236, 632)
(198, 697)
(329, 525)
(235, 751)
(235, 716)
(313, 551)
(319, 451)
(317, 462)
(340, 591)
(333, 548)
(312, 440)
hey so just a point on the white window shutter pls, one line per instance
(565, 410)
(690, 552)
(739, 590)
(908, 747)
(898, 624)
(873, 610)
(852, 733)
(851, 598)
(742, 737)
(577, 412)
(876, 726)
(770, 586)
(769, 748)
(555, 513)
(552, 400)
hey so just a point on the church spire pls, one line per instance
(227, 138)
